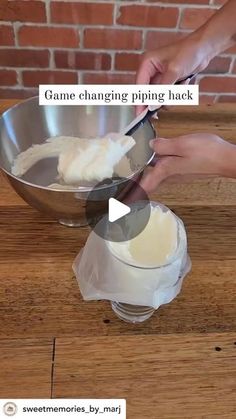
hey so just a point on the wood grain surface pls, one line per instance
(26, 368)
(160, 376)
(182, 362)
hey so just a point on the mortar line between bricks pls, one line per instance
(210, 94)
(19, 78)
(34, 69)
(62, 70)
(96, 73)
(112, 61)
(81, 77)
(116, 12)
(178, 23)
(148, 4)
(51, 60)
(145, 3)
(48, 11)
(232, 64)
(118, 72)
(64, 49)
(97, 26)
(15, 30)
(151, 4)
(225, 55)
(92, 50)
(144, 40)
(216, 75)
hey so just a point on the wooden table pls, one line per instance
(181, 363)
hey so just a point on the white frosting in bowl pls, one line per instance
(79, 160)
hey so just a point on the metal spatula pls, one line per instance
(147, 112)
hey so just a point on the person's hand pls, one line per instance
(172, 63)
(194, 154)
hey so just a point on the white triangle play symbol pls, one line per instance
(116, 210)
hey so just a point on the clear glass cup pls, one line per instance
(134, 313)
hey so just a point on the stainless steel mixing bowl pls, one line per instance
(28, 123)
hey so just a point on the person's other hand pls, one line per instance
(194, 154)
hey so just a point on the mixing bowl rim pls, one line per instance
(80, 188)
(20, 101)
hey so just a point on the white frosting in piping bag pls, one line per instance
(155, 245)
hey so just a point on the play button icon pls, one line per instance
(116, 210)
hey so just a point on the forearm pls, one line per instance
(219, 32)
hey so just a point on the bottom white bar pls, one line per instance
(63, 408)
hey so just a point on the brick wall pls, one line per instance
(98, 41)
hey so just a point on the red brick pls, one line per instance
(136, 15)
(207, 98)
(127, 62)
(157, 39)
(108, 78)
(219, 65)
(23, 11)
(82, 60)
(112, 39)
(220, 2)
(17, 93)
(218, 84)
(34, 78)
(226, 98)
(6, 35)
(24, 58)
(8, 78)
(48, 37)
(193, 18)
(82, 13)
